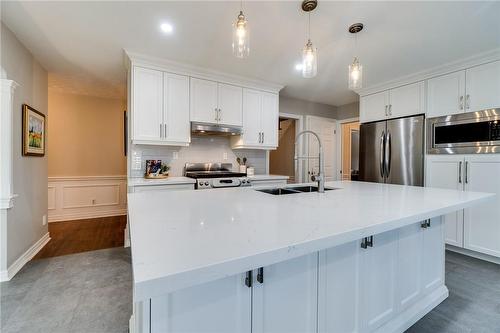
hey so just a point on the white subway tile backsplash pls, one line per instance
(202, 149)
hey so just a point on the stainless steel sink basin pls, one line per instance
(308, 188)
(278, 191)
(293, 189)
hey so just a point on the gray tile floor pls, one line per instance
(86, 292)
(91, 292)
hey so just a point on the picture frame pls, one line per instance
(33, 132)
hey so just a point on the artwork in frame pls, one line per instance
(33, 132)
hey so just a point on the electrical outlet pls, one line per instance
(44, 220)
(224, 156)
(175, 155)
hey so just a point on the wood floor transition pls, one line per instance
(76, 236)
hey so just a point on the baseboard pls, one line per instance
(16, 266)
(474, 254)
(414, 313)
(87, 215)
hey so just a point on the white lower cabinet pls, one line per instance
(476, 228)
(347, 288)
(286, 300)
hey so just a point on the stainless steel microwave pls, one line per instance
(465, 133)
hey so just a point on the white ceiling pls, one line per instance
(84, 40)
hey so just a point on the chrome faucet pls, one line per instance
(320, 178)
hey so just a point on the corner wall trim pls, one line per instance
(16, 266)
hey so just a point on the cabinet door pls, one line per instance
(378, 282)
(222, 306)
(203, 101)
(373, 107)
(252, 109)
(176, 110)
(433, 256)
(230, 105)
(338, 292)
(410, 243)
(269, 120)
(447, 172)
(483, 86)
(445, 94)
(286, 301)
(482, 222)
(147, 113)
(406, 100)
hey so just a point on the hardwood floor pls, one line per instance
(84, 235)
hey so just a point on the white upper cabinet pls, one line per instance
(160, 108)
(483, 87)
(176, 109)
(204, 96)
(269, 120)
(216, 103)
(394, 103)
(446, 94)
(230, 102)
(147, 105)
(260, 121)
(406, 100)
(373, 107)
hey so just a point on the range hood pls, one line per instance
(212, 129)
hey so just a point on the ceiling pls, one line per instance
(81, 43)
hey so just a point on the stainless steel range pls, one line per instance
(215, 175)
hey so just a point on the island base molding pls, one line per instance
(384, 286)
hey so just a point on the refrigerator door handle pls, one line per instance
(387, 154)
(382, 157)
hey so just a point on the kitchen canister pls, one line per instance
(250, 171)
(243, 168)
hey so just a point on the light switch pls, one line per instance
(224, 156)
(175, 155)
(136, 160)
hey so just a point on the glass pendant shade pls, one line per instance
(355, 75)
(241, 37)
(309, 61)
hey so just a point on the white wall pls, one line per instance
(24, 219)
(348, 111)
(301, 107)
(202, 149)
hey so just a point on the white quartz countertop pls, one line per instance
(180, 239)
(166, 181)
(268, 177)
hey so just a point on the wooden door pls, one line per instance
(326, 129)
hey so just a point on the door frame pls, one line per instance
(299, 125)
(339, 144)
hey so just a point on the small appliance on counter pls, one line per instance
(215, 175)
(155, 169)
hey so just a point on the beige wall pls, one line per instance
(281, 160)
(348, 111)
(301, 107)
(24, 220)
(85, 135)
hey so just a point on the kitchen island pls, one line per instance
(363, 257)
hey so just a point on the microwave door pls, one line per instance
(371, 152)
(405, 151)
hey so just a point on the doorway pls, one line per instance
(350, 151)
(281, 160)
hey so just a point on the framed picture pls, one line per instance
(33, 132)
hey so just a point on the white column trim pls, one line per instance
(7, 88)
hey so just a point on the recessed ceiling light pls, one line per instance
(166, 28)
(298, 67)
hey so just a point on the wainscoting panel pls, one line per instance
(73, 198)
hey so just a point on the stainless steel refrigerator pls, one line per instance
(392, 151)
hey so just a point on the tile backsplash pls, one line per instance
(201, 149)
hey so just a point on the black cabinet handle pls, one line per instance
(370, 241)
(367, 242)
(260, 275)
(423, 225)
(248, 279)
(428, 223)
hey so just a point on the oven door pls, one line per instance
(225, 182)
(462, 135)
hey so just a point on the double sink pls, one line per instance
(293, 189)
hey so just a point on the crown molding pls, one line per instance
(136, 59)
(454, 66)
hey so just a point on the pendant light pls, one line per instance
(355, 69)
(309, 53)
(241, 36)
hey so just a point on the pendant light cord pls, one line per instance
(309, 26)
